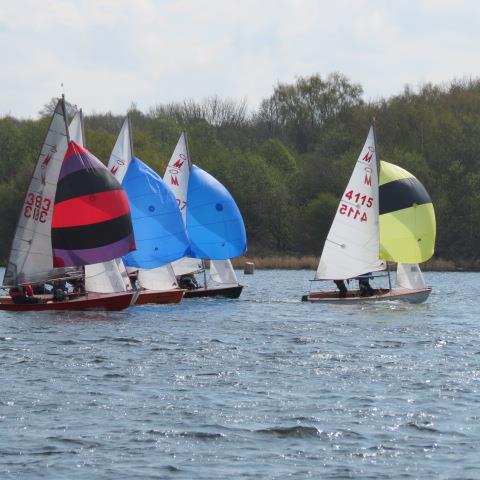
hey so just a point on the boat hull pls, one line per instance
(353, 296)
(159, 297)
(90, 301)
(225, 292)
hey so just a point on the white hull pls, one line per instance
(404, 294)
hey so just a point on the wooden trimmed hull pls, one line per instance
(159, 297)
(225, 292)
(353, 296)
(90, 301)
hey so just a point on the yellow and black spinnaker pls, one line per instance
(407, 217)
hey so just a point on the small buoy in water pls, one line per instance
(249, 268)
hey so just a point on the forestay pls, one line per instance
(30, 258)
(352, 245)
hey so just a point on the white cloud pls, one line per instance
(109, 53)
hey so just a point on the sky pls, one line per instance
(109, 54)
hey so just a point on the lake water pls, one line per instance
(264, 387)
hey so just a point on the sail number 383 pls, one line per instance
(36, 207)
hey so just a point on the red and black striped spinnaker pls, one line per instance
(91, 218)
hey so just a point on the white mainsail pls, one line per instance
(105, 277)
(221, 271)
(410, 276)
(353, 242)
(176, 177)
(122, 152)
(30, 258)
(177, 174)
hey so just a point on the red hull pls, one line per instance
(90, 301)
(159, 296)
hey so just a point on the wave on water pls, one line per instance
(199, 435)
(297, 431)
(422, 427)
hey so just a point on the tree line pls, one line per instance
(287, 162)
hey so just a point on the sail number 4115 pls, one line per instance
(359, 198)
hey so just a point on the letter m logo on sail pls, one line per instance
(367, 157)
(178, 164)
(368, 179)
(174, 180)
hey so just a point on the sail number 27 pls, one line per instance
(36, 207)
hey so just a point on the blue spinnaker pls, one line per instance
(158, 227)
(214, 223)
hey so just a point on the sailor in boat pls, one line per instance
(23, 295)
(78, 285)
(341, 287)
(364, 286)
(59, 290)
(188, 282)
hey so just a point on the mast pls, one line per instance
(83, 127)
(188, 150)
(374, 126)
(130, 135)
(190, 166)
(64, 110)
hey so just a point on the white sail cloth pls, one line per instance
(221, 271)
(353, 242)
(410, 276)
(161, 278)
(30, 258)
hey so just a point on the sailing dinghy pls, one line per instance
(157, 224)
(74, 214)
(393, 222)
(214, 225)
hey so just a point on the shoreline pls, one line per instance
(310, 262)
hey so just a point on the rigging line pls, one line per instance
(342, 245)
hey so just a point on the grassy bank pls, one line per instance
(289, 262)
